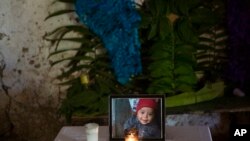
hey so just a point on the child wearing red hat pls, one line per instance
(144, 119)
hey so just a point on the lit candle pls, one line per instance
(132, 135)
(131, 138)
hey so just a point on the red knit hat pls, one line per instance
(146, 102)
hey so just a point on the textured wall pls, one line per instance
(30, 96)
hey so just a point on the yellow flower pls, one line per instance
(84, 79)
(172, 17)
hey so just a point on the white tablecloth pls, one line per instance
(173, 133)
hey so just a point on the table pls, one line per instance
(173, 133)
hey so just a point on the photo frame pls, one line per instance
(126, 113)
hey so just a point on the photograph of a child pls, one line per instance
(144, 119)
(145, 114)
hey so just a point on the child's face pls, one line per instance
(145, 115)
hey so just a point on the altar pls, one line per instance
(172, 133)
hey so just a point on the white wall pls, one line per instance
(33, 95)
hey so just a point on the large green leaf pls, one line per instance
(183, 70)
(186, 32)
(153, 30)
(164, 27)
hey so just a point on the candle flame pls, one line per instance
(132, 135)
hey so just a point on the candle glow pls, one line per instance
(131, 138)
(132, 135)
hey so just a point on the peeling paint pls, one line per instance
(2, 35)
(25, 50)
(37, 66)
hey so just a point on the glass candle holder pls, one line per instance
(131, 135)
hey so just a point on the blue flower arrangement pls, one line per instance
(116, 23)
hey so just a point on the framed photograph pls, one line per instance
(137, 117)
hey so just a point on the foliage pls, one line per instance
(211, 54)
(172, 30)
(211, 50)
(206, 93)
(90, 61)
(170, 34)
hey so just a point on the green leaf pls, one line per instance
(63, 50)
(153, 31)
(160, 55)
(161, 86)
(65, 1)
(104, 104)
(182, 47)
(73, 39)
(161, 72)
(184, 87)
(153, 7)
(165, 27)
(146, 20)
(83, 99)
(160, 64)
(75, 28)
(73, 58)
(72, 70)
(186, 31)
(104, 85)
(183, 70)
(161, 6)
(187, 79)
(85, 50)
(182, 6)
(58, 13)
(163, 45)
(185, 59)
